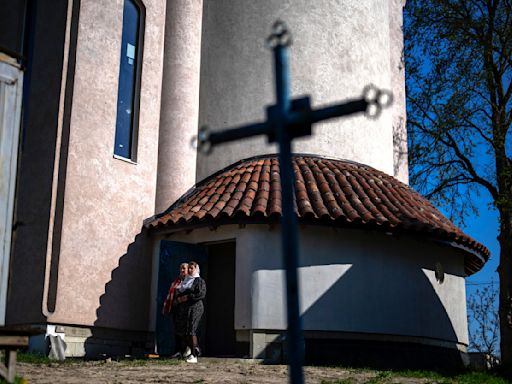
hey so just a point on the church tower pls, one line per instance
(224, 77)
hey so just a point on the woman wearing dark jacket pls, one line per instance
(192, 294)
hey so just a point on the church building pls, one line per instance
(103, 194)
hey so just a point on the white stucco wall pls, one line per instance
(338, 48)
(351, 281)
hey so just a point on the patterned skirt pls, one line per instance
(186, 318)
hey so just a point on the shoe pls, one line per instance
(197, 352)
(187, 353)
(191, 359)
(177, 355)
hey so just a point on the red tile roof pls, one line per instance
(329, 192)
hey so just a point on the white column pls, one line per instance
(180, 101)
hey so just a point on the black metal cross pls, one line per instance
(286, 120)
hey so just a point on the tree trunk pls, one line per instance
(505, 273)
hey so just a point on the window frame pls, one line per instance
(134, 128)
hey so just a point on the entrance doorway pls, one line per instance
(220, 304)
(217, 262)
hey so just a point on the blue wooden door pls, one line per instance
(172, 254)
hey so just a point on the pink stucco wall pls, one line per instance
(103, 273)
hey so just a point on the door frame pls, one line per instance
(11, 88)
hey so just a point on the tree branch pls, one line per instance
(469, 166)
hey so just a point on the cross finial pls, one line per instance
(280, 35)
(377, 99)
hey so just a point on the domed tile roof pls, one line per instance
(328, 192)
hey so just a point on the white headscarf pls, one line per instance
(188, 281)
(196, 272)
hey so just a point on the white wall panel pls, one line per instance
(11, 79)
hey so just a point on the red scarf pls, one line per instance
(170, 296)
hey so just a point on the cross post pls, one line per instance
(286, 120)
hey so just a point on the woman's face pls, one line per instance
(191, 269)
(183, 270)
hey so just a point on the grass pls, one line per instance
(388, 377)
(349, 380)
(17, 380)
(37, 358)
(143, 362)
(467, 377)
(382, 377)
(34, 358)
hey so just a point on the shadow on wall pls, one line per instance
(122, 323)
(359, 319)
(46, 23)
(400, 151)
(382, 303)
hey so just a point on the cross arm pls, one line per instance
(374, 100)
(298, 119)
(206, 139)
(339, 110)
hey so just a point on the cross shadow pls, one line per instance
(374, 305)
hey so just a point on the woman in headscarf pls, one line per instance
(177, 310)
(191, 293)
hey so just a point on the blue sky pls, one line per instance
(484, 228)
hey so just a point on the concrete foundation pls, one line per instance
(93, 342)
(358, 349)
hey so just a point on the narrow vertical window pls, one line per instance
(129, 80)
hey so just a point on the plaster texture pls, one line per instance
(350, 281)
(102, 250)
(338, 48)
(180, 101)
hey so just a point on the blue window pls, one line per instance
(129, 80)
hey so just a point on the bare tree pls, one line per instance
(458, 56)
(483, 315)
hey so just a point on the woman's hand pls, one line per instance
(182, 299)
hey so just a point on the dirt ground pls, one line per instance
(207, 370)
